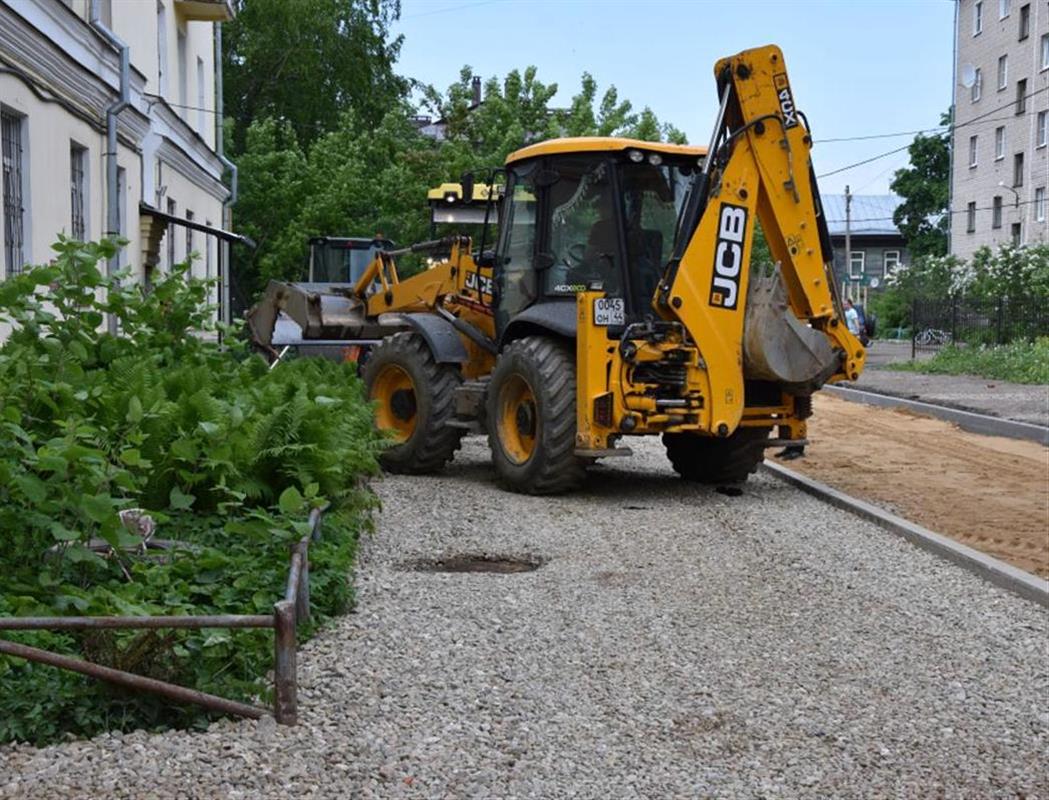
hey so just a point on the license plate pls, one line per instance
(609, 311)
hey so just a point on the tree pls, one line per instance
(923, 216)
(308, 61)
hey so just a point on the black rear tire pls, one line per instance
(706, 459)
(531, 417)
(420, 406)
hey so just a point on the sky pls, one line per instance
(856, 68)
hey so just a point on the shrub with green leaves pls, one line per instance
(225, 454)
(1019, 361)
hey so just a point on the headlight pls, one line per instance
(636, 156)
(655, 159)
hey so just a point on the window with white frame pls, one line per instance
(201, 116)
(1021, 96)
(1018, 170)
(1025, 21)
(1040, 132)
(892, 261)
(14, 175)
(996, 212)
(1003, 72)
(170, 234)
(977, 89)
(207, 253)
(77, 186)
(189, 240)
(1003, 8)
(857, 263)
(970, 218)
(999, 143)
(977, 18)
(1039, 204)
(1045, 51)
(972, 151)
(183, 85)
(162, 50)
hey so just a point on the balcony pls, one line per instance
(205, 10)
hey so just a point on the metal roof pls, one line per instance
(583, 144)
(871, 214)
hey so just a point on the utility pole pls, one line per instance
(848, 240)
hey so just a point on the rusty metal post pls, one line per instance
(128, 680)
(285, 680)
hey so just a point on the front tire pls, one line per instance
(531, 417)
(414, 397)
(706, 459)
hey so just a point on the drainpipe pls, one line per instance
(112, 112)
(227, 214)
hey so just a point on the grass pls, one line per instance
(1017, 362)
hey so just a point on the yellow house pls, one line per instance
(109, 113)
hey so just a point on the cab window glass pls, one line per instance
(583, 239)
(516, 278)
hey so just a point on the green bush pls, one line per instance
(1019, 362)
(226, 455)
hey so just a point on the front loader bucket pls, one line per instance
(779, 347)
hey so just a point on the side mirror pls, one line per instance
(467, 184)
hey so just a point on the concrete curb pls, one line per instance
(1006, 576)
(966, 420)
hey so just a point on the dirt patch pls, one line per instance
(476, 563)
(988, 492)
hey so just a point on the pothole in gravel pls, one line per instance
(498, 565)
(730, 491)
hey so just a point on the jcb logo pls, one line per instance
(472, 280)
(728, 258)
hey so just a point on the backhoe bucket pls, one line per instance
(777, 346)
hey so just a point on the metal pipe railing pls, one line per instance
(287, 614)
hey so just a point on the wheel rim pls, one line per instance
(395, 393)
(518, 419)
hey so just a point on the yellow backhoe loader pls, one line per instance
(618, 300)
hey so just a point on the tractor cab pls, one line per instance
(337, 259)
(590, 214)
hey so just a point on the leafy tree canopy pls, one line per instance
(923, 216)
(309, 61)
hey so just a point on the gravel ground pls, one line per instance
(677, 642)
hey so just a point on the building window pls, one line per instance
(977, 89)
(122, 212)
(207, 255)
(1003, 8)
(1040, 133)
(1045, 51)
(970, 218)
(1039, 204)
(996, 212)
(202, 124)
(857, 263)
(171, 235)
(1021, 96)
(183, 86)
(189, 241)
(977, 18)
(1017, 234)
(162, 50)
(14, 183)
(1003, 72)
(999, 143)
(1025, 21)
(972, 151)
(77, 181)
(892, 261)
(1018, 170)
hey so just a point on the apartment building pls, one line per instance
(1000, 172)
(108, 113)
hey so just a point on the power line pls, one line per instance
(936, 214)
(861, 163)
(880, 135)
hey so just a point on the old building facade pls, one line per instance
(1000, 171)
(65, 68)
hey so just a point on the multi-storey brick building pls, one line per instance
(1000, 172)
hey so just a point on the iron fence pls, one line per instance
(288, 612)
(965, 321)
